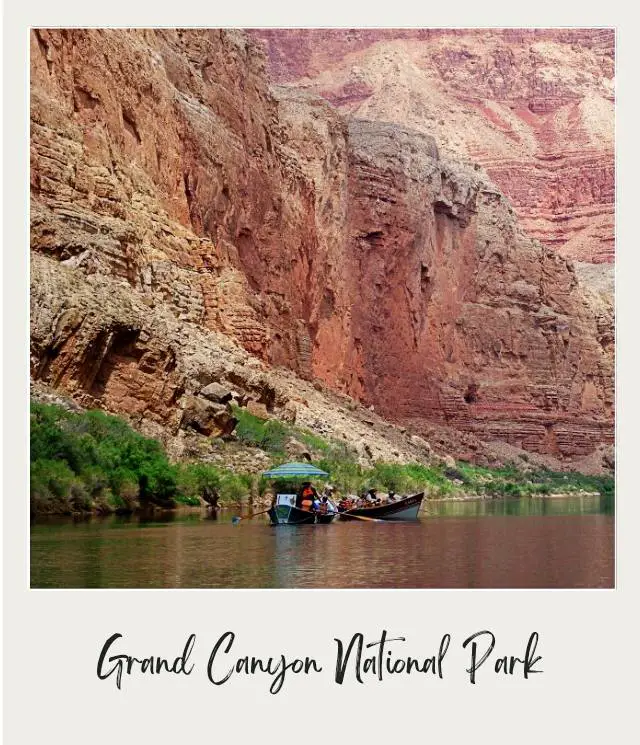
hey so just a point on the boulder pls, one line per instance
(257, 409)
(207, 418)
(449, 462)
(240, 399)
(298, 450)
(289, 413)
(217, 393)
(421, 443)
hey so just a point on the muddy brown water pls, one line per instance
(519, 543)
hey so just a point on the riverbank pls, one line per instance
(89, 462)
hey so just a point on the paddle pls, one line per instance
(236, 519)
(362, 517)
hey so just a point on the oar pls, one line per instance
(362, 517)
(236, 519)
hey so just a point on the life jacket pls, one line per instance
(307, 498)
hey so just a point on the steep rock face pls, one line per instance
(165, 173)
(101, 342)
(533, 106)
(159, 157)
(461, 318)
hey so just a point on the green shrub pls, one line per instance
(51, 479)
(194, 478)
(275, 436)
(346, 475)
(79, 497)
(269, 435)
(191, 501)
(94, 452)
(115, 501)
(234, 487)
(94, 460)
(393, 476)
(312, 441)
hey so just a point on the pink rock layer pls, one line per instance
(534, 106)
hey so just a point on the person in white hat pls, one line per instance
(327, 498)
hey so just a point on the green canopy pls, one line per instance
(289, 470)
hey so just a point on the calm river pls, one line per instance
(555, 543)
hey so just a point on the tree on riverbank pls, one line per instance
(96, 462)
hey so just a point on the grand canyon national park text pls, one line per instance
(357, 658)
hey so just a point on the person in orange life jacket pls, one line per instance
(307, 496)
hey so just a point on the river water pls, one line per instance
(518, 543)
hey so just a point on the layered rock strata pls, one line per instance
(461, 318)
(177, 199)
(534, 106)
(103, 344)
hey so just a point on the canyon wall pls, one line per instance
(461, 317)
(159, 158)
(534, 106)
(350, 252)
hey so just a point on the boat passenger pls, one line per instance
(326, 505)
(307, 496)
(328, 493)
(391, 496)
(346, 503)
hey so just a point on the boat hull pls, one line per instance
(402, 510)
(326, 518)
(284, 514)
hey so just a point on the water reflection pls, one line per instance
(498, 543)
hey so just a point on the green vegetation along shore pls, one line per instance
(94, 462)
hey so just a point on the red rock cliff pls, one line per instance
(351, 253)
(160, 158)
(534, 106)
(461, 318)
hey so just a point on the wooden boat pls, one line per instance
(403, 509)
(285, 512)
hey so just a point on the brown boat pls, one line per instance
(403, 509)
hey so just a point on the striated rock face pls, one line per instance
(159, 157)
(534, 106)
(461, 318)
(101, 342)
(182, 211)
